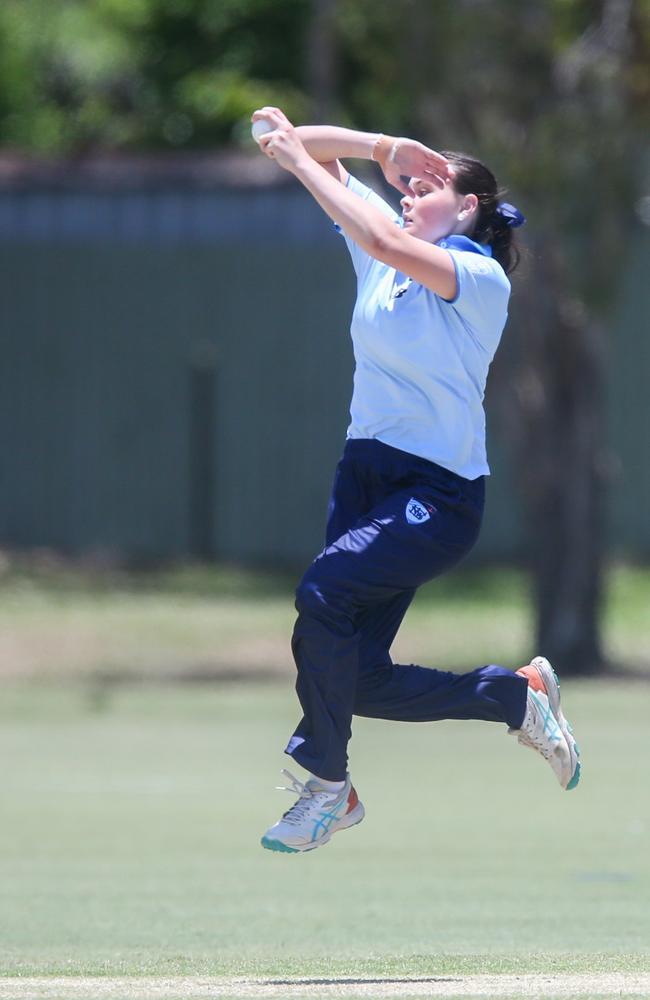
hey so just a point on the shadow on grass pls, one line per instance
(345, 981)
(98, 574)
(103, 684)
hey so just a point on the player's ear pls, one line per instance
(470, 204)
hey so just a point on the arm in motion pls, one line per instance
(362, 222)
(397, 157)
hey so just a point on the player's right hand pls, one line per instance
(282, 144)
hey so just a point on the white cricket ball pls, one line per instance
(260, 128)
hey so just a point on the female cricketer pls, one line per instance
(407, 501)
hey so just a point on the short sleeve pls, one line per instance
(360, 259)
(481, 301)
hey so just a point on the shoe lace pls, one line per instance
(300, 809)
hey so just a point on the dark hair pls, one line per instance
(491, 228)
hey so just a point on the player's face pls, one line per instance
(434, 210)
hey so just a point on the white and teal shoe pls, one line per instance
(545, 728)
(313, 819)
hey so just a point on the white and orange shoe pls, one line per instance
(544, 728)
(313, 819)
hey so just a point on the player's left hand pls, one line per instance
(412, 159)
(283, 144)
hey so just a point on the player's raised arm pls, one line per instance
(397, 157)
(368, 227)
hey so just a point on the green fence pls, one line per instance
(176, 373)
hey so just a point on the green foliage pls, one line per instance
(187, 73)
(146, 74)
(541, 89)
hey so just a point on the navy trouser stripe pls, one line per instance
(352, 599)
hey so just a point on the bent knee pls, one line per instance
(315, 594)
(322, 599)
(309, 595)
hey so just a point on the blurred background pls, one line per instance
(174, 389)
(176, 368)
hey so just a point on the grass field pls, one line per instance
(129, 852)
(62, 623)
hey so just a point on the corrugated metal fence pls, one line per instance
(176, 374)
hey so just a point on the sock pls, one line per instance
(329, 786)
(535, 682)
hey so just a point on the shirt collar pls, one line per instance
(464, 243)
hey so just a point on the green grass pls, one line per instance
(129, 842)
(63, 623)
(131, 812)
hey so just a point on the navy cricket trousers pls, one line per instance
(394, 522)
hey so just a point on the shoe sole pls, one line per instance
(350, 819)
(551, 683)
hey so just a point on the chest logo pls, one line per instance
(402, 289)
(416, 512)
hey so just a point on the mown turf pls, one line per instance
(130, 829)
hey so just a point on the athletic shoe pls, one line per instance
(313, 819)
(544, 728)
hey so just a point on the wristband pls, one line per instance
(384, 150)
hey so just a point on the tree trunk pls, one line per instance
(322, 66)
(559, 397)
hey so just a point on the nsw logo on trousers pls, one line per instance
(416, 512)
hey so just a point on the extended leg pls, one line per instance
(409, 693)
(380, 561)
(420, 694)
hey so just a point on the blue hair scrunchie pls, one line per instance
(511, 215)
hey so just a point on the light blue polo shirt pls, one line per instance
(422, 361)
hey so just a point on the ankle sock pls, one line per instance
(329, 786)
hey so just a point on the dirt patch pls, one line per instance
(186, 988)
